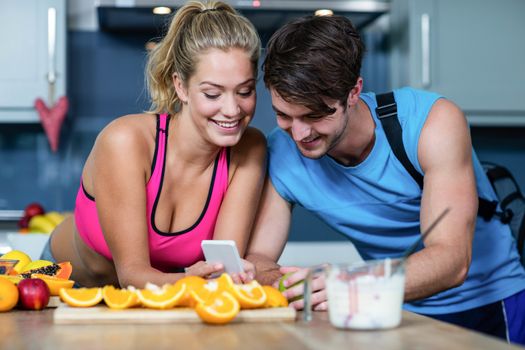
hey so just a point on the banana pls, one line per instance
(41, 224)
(55, 217)
(36, 264)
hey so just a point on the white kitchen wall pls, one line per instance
(304, 254)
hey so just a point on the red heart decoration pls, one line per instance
(52, 119)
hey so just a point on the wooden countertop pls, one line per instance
(36, 330)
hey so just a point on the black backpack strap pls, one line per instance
(495, 173)
(387, 113)
(487, 209)
(521, 239)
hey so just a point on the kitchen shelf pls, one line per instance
(11, 215)
(496, 121)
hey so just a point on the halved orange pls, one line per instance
(54, 283)
(192, 283)
(81, 297)
(274, 298)
(8, 295)
(116, 298)
(15, 279)
(220, 309)
(164, 297)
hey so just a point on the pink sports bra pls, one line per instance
(169, 251)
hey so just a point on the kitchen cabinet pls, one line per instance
(33, 56)
(471, 51)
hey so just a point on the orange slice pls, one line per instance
(192, 283)
(274, 298)
(81, 297)
(220, 309)
(54, 283)
(204, 292)
(119, 298)
(225, 282)
(164, 297)
(250, 295)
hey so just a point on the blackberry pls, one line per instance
(50, 270)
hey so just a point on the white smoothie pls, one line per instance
(364, 301)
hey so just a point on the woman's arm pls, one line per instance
(247, 172)
(270, 233)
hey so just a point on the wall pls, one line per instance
(106, 80)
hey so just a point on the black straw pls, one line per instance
(414, 246)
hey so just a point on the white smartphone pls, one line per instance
(224, 252)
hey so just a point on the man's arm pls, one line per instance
(269, 234)
(444, 152)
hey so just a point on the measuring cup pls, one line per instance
(364, 295)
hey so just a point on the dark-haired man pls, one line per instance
(330, 155)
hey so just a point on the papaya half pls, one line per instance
(61, 270)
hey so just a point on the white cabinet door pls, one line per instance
(29, 56)
(471, 51)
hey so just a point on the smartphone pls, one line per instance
(224, 252)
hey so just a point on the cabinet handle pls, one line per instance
(51, 50)
(425, 50)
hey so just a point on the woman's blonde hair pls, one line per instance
(195, 28)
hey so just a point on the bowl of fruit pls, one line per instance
(7, 265)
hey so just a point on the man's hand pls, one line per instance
(293, 283)
(267, 271)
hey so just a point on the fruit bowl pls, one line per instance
(6, 265)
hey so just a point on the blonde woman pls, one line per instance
(156, 184)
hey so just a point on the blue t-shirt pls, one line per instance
(377, 205)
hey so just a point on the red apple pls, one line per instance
(33, 294)
(33, 209)
(23, 222)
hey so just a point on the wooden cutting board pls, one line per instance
(101, 314)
